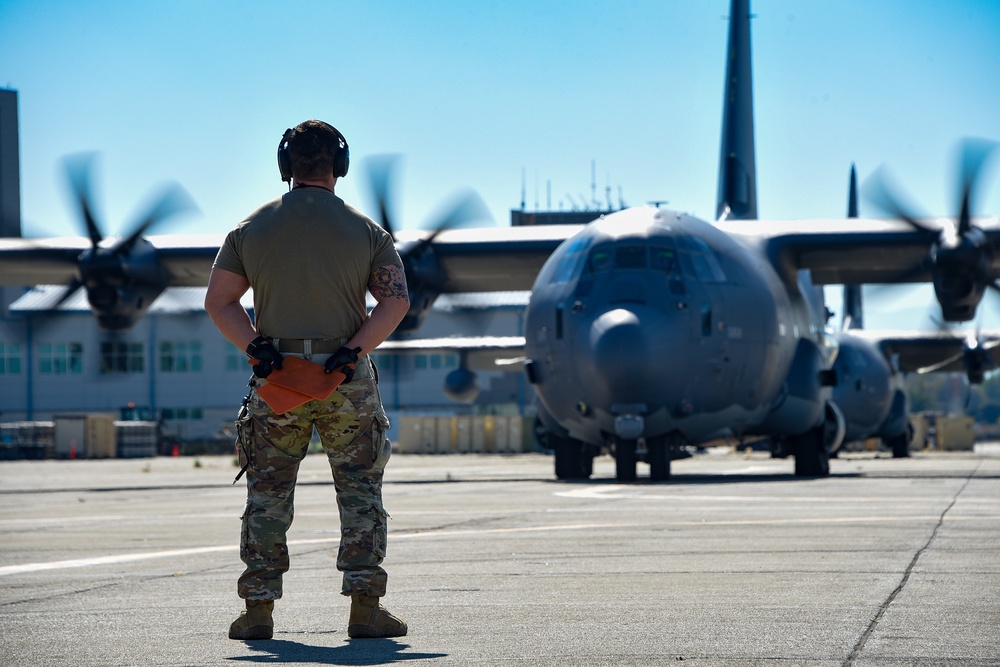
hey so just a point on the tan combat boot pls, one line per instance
(370, 619)
(255, 622)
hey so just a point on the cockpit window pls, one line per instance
(600, 259)
(572, 261)
(630, 257)
(699, 261)
(663, 259)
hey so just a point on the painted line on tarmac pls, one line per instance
(625, 491)
(131, 558)
(107, 560)
(173, 553)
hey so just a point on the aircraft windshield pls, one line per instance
(691, 258)
(661, 258)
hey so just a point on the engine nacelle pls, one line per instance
(962, 270)
(461, 385)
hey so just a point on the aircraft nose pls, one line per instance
(629, 355)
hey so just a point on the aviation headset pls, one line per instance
(341, 156)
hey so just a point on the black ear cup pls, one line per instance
(284, 158)
(341, 158)
(342, 161)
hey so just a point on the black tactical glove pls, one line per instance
(263, 351)
(344, 360)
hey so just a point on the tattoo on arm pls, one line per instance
(388, 282)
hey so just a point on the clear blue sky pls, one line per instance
(475, 94)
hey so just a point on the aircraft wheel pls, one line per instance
(811, 457)
(900, 444)
(659, 459)
(625, 460)
(573, 460)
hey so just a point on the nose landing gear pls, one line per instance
(655, 451)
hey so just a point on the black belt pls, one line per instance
(299, 345)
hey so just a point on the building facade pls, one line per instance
(174, 363)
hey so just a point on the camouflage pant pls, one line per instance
(351, 424)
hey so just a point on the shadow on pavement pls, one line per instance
(352, 652)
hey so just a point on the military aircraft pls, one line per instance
(647, 329)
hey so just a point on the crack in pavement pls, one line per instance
(860, 645)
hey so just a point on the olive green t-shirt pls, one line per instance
(308, 257)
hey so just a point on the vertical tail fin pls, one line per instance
(853, 311)
(737, 161)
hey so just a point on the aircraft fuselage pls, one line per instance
(651, 322)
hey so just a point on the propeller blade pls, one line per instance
(941, 364)
(78, 170)
(173, 201)
(882, 193)
(465, 207)
(380, 172)
(974, 154)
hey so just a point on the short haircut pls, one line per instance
(313, 146)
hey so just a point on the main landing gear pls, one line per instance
(574, 458)
(900, 444)
(812, 449)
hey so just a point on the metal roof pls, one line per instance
(178, 300)
(173, 300)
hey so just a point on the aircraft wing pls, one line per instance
(485, 353)
(187, 258)
(42, 261)
(473, 260)
(851, 251)
(494, 258)
(927, 351)
(53, 261)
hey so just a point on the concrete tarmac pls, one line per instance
(493, 562)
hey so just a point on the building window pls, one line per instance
(180, 356)
(236, 359)
(60, 358)
(384, 362)
(174, 414)
(10, 359)
(435, 361)
(122, 357)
